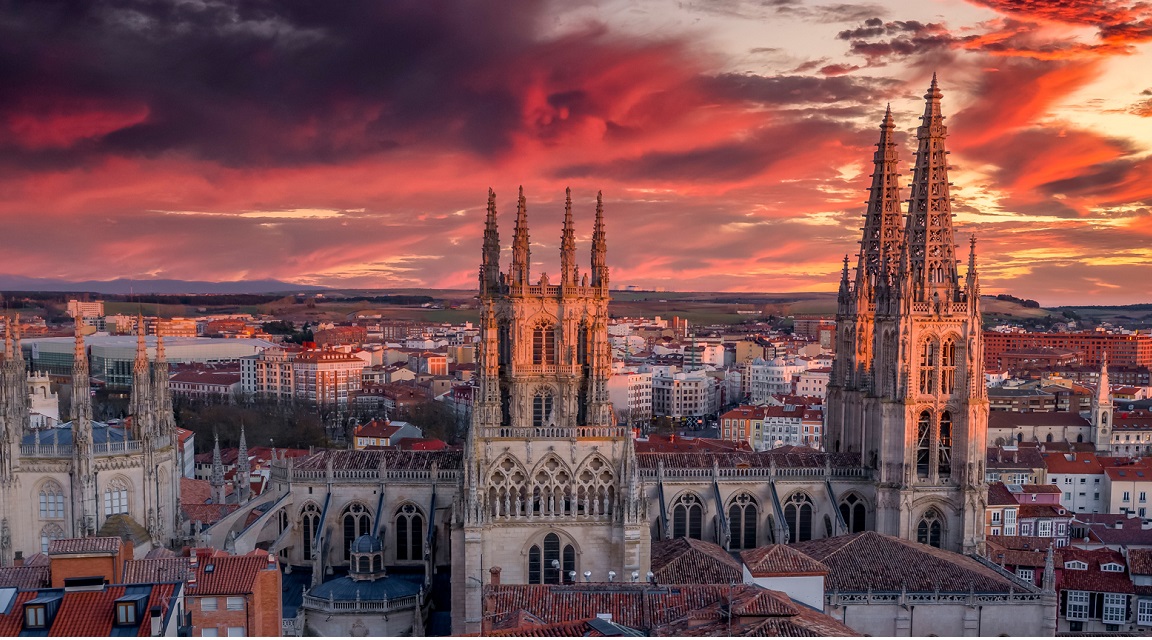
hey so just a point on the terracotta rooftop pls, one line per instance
(1013, 419)
(1093, 578)
(1140, 561)
(90, 614)
(679, 610)
(871, 561)
(689, 561)
(25, 578)
(1076, 462)
(795, 457)
(780, 560)
(347, 459)
(999, 495)
(66, 546)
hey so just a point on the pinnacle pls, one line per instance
(934, 89)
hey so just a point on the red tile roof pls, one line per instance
(151, 570)
(88, 613)
(230, 575)
(1093, 578)
(999, 495)
(780, 560)
(12, 623)
(84, 545)
(688, 561)
(25, 578)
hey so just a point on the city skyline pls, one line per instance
(353, 146)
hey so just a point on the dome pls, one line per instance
(367, 544)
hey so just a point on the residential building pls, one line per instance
(630, 391)
(383, 433)
(326, 377)
(1125, 349)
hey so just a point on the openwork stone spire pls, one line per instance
(521, 254)
(243, 471)
(139, 405)
(931, 250)
(83, 460)
(490, 260)
(217, 479)
(599, 246)
(568, 272)
(883, 222)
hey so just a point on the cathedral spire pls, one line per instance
(490, 262)
(599, 246)
(883, 222)
(521, 254)
(972, 278)
(568, 272)
(83, 461)
(931, 251)
(217, 478)
(139, 404)
(243, 471)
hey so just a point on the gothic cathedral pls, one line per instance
(907, 390)
(551, 486)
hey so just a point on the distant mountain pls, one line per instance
(125, 286)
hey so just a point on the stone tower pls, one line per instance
(83, 460)
(1102, 411)
(551, 486)
(907, 390)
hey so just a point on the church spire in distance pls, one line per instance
(568, 271)
(931, 250)
(599, 246)
(490, 261)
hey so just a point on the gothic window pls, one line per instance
(552, 488)
(944, 446)
(544, 344)
(50, 532)
(595, 488)
(542, 407)
(742, 516)
(357, 523)
(930, 530)
(928, 366)
(687, 517)
(51, 501)
(281, 527)
(948, 367)
(798, 516)
(923, 435)
(116, 497)
(550, 564)
(310, 521)
(853, 511)
(507, 489)
(582, 344)
(409, 533)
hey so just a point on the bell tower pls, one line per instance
(908, 387)
(551, 485)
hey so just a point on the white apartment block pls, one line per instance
(326, 377)
(772, 377)
(269, 374)
(686, 394)
(631, 394)
(86, 309)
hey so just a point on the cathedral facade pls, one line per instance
(86, 477)
(548, 489)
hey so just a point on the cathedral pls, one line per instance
(549, 490)
(86, 477)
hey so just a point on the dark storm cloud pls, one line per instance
(795, 89)
(263, 83)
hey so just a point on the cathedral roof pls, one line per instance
(689, 561)
(122, 526)
(102, 433)
(345, 589)
(346, 459)
(794, 457)
(871, 561)
(780, 560)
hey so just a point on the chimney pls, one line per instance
(18, 560)
(495, 573)
(157, 620)
(606, 617)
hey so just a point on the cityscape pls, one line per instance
(442, 319)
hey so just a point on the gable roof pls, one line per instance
(689, 561)
(66, 546)
(866, 561)
(780, 560)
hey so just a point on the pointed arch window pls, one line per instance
(923, 436)
(51, 501)
(409, 533)
(930, 529)
(357, 523)
(742, 515)
(944, 446)
(854, 514)
(116, 497)
(928, 359)
(310, 522)
(281, 527)
(551, 562)
(544, 344)
(798, 516)
(542, 407)
(50, 532)
(688, 517)
(948, 367)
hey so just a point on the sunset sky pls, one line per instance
(352, 143)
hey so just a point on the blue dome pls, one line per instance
(367, 544)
